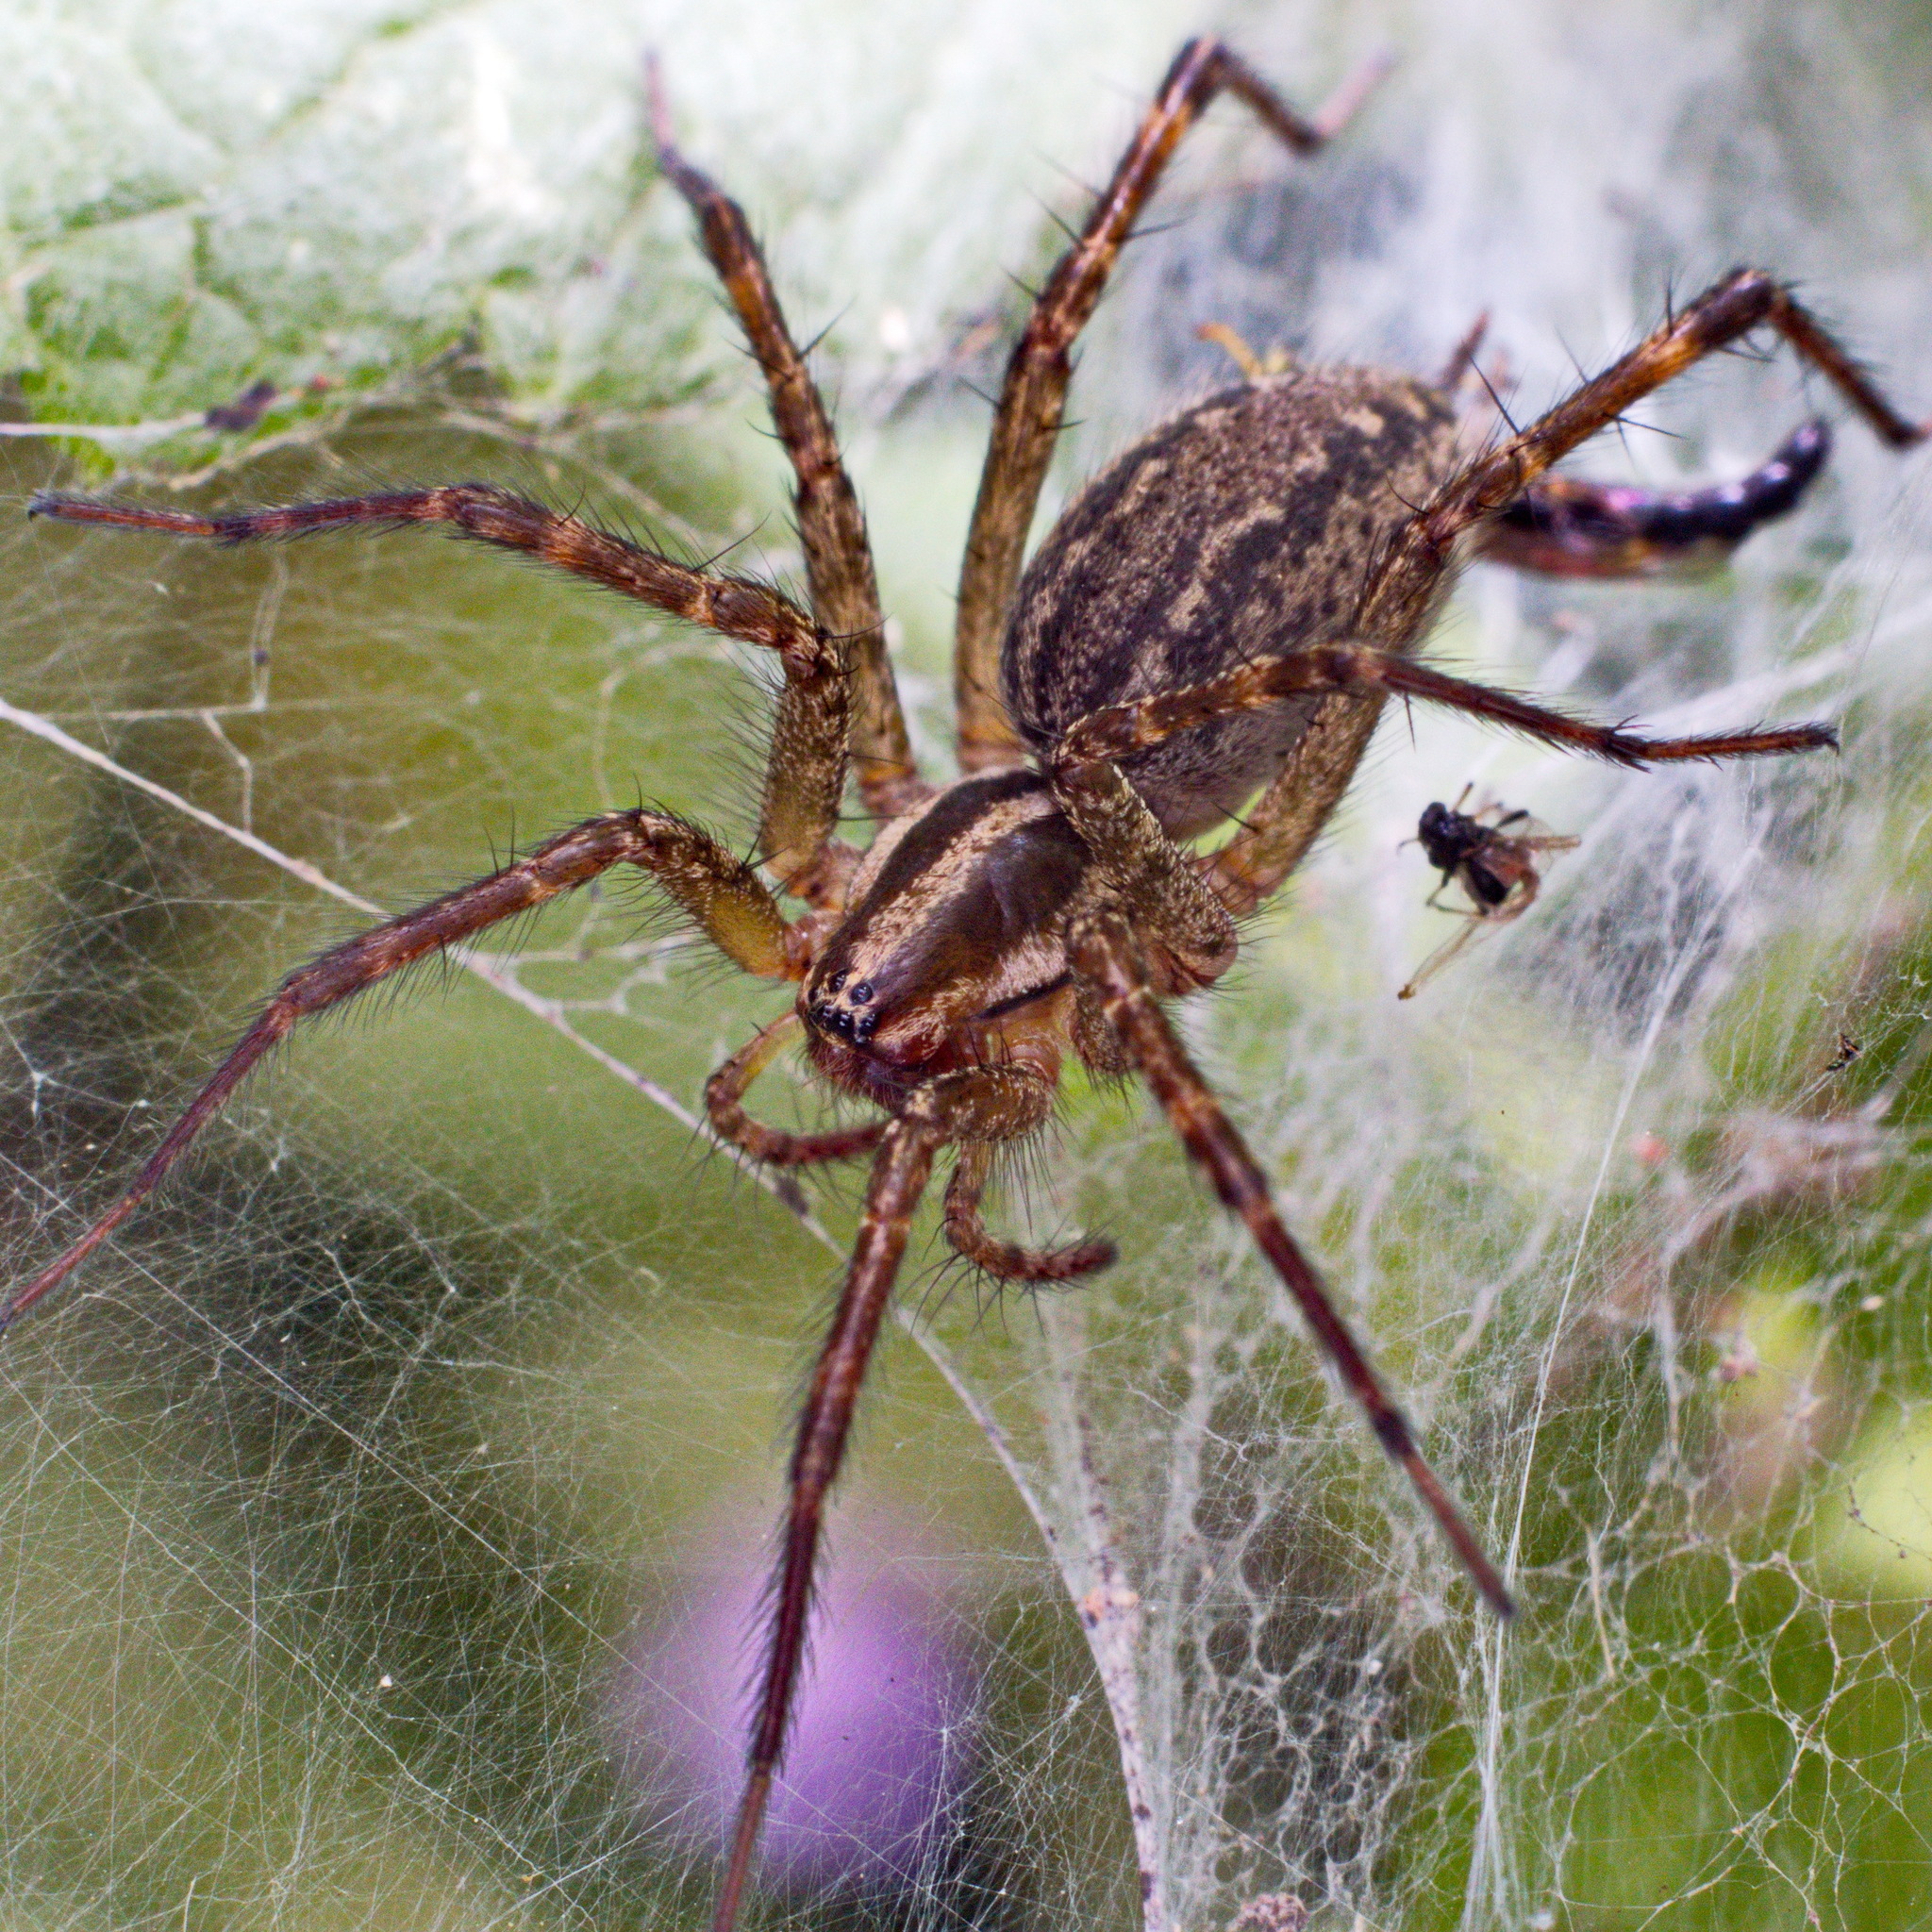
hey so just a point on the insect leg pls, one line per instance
(1564, 526)
(831, 525)
(721, 894)
(725, 1094)
(1027, 420)
(805, 776)
(1004, 1260)
(1102, 953)
(980, 1104)
(1473, 922)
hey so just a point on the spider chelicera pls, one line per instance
(1212, 626)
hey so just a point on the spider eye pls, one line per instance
(860, 993)
(837, 980)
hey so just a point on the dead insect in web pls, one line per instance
(1848, 1050)
(1211, 629)
(1491, 854)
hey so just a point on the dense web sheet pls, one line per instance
(384, 1512)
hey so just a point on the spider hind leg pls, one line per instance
(1487, 485)
(831, 525)
(1566, 526)
(1104, 954)
(1026, 422)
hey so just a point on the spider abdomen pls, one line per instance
(1246, 526)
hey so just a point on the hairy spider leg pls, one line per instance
(1284, 822)
(979, 1104)
(1027, 420)
(1745, 300)
(1364, 671)
(1007, 1260)
(726, 899)
(965, 1229)
(1568, 526)
(805, 774)
(1155, 881)
(1181, 908)
(899, 1174)
(725, 1094)
(1102, 953)
(831, 525)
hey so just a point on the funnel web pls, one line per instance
(363, 1504)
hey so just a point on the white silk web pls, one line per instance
(382, 1512)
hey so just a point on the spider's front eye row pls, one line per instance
(856, 1027)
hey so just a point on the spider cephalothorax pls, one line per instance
(1212, 627)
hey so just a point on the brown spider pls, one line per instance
(1220, 613)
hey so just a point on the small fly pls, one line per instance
(1491, 854)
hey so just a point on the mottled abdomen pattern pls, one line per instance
(1245, 527)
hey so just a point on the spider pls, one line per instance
(1212, 627)
(1491, 854)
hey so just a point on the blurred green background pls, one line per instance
(343, 1496)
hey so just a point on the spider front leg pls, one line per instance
(805, 772)
(1102, 953)
(978, 1105)
(722, 895)
(1027, 421)
(831, 525)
